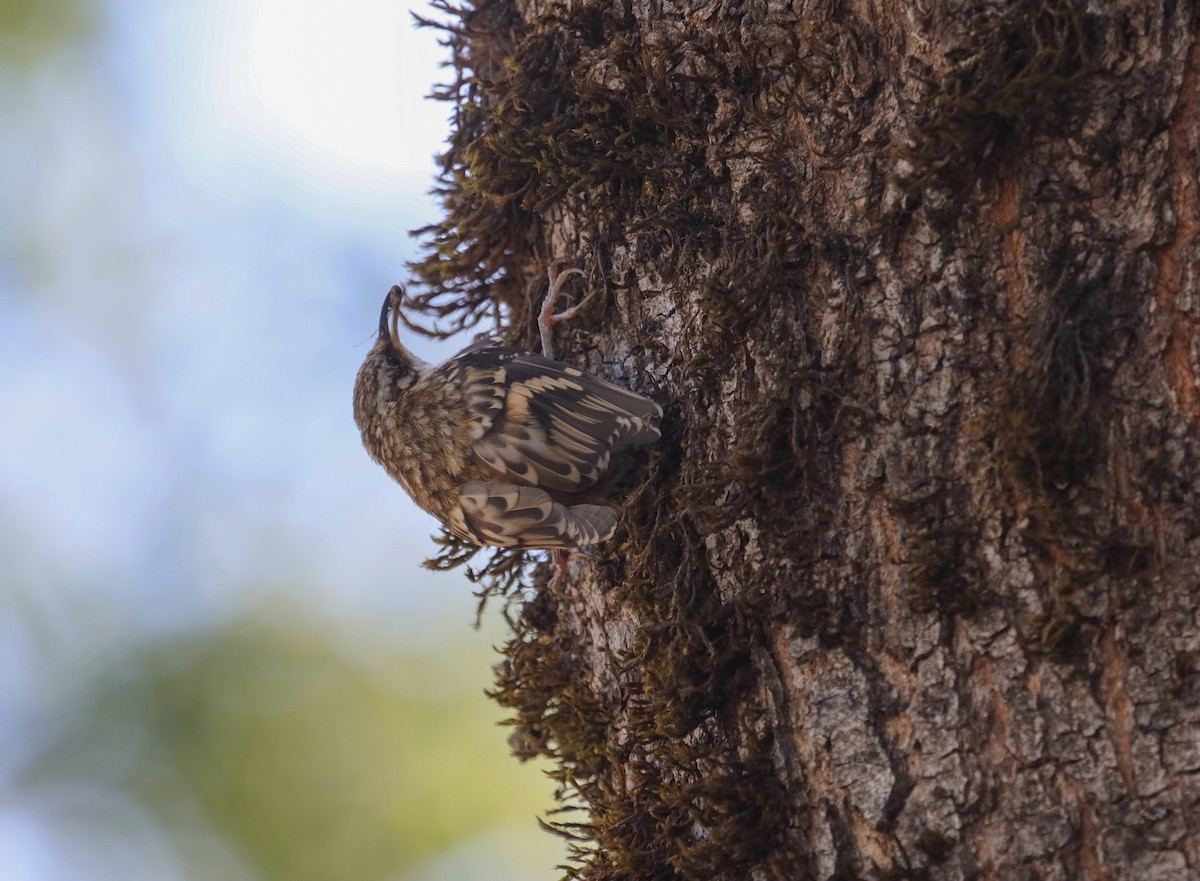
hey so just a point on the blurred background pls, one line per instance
(219, 656)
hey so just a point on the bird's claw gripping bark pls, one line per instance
(547, 318)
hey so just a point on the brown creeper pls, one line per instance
(504, 447)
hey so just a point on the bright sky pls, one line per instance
(204, 207)
(344, 80)
(327, 96)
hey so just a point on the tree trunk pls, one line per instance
(910, 587)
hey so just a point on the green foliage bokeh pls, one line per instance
(309, 759)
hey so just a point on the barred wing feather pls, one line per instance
(504, 515)
(538, 422)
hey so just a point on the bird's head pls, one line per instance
(389, 370)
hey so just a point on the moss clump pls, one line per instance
(1054, 443)
(1052, 424)
(670, 796)
(1012, 68)
(646, 135)
(504, 571)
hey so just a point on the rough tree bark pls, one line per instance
(910, 587)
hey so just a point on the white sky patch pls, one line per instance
(348, 77)
(190, 293)
(317, 96)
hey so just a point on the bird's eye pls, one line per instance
(391, 361)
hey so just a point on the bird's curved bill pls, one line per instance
(389, 316)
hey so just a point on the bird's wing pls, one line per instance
(538, 422)
(504, 515)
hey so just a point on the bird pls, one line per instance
(504, 447)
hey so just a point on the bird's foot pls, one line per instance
(560, 566)
(547, 318)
